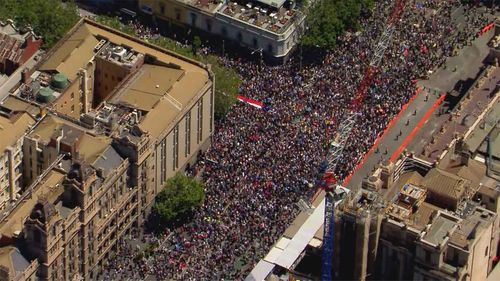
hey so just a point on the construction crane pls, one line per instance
(335, 192)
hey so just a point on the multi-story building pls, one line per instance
(433, 214)
(16, 47)
(13, 127)
(120, 117)
(267, 27)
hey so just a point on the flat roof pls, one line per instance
(149, 85)
(478, 135)
(191, 80)
(15, 104)
(273, 3)
(439, 229)
(90, 146)
(49, 188)
(12, 129)
(74, 53)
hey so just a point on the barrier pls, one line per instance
(377, 141)
(486, 28)
(422, 121)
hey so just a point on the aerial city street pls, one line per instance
(249, 140)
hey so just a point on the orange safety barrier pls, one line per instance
(377, 141)
(486, 28)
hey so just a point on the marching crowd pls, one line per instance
(262, 162)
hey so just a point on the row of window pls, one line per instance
(187, 141)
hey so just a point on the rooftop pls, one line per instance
(14, 104)
(210, 6)
(142, 92)
(73, 53)
(444, 183)
(108, 161)
(406, 201)
(9, 28)
(440, 228)
(11, 258)
(49, 187)
(13, 128)
(263, 14)
(163, 86)
(87, 146)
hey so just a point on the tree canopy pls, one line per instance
(50, 19)
(179, 197)
(327, 19)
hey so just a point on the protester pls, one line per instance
(263, 161)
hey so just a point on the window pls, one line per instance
(72, 96)
(73, 108)
(486, 252)
(163, 162)
(193, 19)
(209, 25)
(270, 48)
(239, 37)
(492, 200)
(427, 256)
(187, 149)
(211, 111)
(177, 14)
(255, 42)
(200, 121)
(176, 148)
(162, 9)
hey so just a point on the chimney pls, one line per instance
(26, 76)
(58, 140)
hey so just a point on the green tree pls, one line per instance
(196, 44)
(227, 83)
(50, 19)
(179, 197)
(328, 19)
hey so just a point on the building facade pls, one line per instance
(270, 28)
(122, 116)
(13, 128)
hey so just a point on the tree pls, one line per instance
(50, 19)
(227, 83)
(328, 19)
(179, 197)
(196, 44)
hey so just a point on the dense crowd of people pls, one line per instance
(262, 162)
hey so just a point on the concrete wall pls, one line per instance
(69, 101)
(182, 144)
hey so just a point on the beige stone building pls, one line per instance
(13, 126)
(122, 116)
